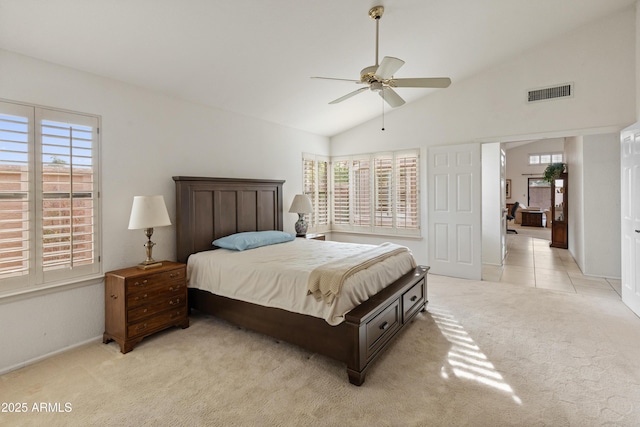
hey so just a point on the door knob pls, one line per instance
(637, 231)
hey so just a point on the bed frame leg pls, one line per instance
(355, 377)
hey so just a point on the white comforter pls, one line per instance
(277, 275)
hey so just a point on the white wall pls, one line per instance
(593, 165)
(491, 107)
(146, 139)
(601, 186)
(574, 158)
(492, 207)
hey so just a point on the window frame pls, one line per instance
(38, 274)
(539, 156)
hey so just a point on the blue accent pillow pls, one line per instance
(253, 239)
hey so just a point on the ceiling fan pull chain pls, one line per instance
(383, 110)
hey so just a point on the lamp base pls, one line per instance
(301, 226)
(143, 266)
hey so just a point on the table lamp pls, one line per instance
(301, 205)
(148, 212)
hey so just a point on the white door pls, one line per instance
(503, 204)
(455, 235)
(630, 206)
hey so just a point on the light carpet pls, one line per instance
(484, 354)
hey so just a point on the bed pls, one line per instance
(210, 208)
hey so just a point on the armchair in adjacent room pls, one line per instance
(511, 216)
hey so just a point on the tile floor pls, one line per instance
(531, 262)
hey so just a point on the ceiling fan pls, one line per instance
(379, 78)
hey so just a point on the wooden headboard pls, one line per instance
(209, 208)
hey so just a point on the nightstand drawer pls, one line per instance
(156, 323)
(151, 281)
(158, 291)
(156, 306)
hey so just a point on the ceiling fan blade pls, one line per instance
(333, 78)
(391, 97)
(349, 95)
(435, 82)
(388, 66)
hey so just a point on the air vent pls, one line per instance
(552, 92)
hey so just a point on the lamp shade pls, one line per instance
(148, 212)
(301, 204)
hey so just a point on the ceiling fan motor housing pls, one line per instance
(367, 75)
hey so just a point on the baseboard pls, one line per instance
(48, 355)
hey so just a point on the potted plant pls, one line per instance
(553, 171)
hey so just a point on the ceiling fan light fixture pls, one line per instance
(376, 86)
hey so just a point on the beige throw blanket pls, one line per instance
(325, 282)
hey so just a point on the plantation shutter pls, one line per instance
(341, 199)
(67, 143)
(361, 204)
(16, 143)
(323, 193)
(377, 193)
(309, 187)
(383, 191)
(406, 201)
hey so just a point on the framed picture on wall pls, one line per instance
(507, 187)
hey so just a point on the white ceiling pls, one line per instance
(256, 57)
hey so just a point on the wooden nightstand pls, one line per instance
(139, 302)
(315, 236)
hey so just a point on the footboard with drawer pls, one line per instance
(379, 319)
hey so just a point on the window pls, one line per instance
(376, 193)
(545, 159)
(49, 229)
(315, 171)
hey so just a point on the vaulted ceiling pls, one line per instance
(256, 57)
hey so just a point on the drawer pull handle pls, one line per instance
(174, 315)
(177, 288)
(174, 275)
(114, 296)
(144, 282)
(177, 301)
(414, 298)
(142, 297)
(384, 326)
(141, 327)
